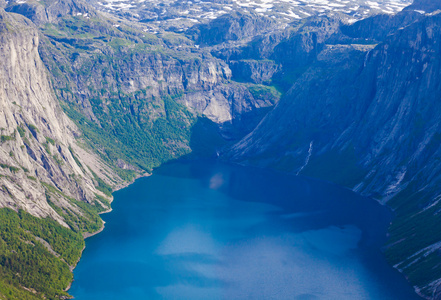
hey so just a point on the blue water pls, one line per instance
(206, 230)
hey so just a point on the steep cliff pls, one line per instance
(49, 11)
(45, 172)
(236, 26)
(143, 90)
(368, 117)
(38, 140)
(360, 109)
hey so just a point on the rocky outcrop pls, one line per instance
(425, 5)
(39, 154)
(261, 47)
(303, 45)
(235, 26)
(227, 104)
(255, 71)
(284, 54)
(137, 76)
(49, 11)
(378, 27)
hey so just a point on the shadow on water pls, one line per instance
(336, 206)
(209, 230)
(291, 193)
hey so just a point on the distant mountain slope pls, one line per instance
(360, 108)
(425, 5)
(368, 117)
(49, 11)
(137, 100)
(180, 15)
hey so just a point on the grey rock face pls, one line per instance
(37, 139)
(230, 27)
(254, 71)
(425, 5)
(377, 28)
(197, 80)
(303, 46)
(368, 118)
(50, 11)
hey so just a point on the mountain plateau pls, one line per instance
(94, 98)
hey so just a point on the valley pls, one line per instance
(98, 94)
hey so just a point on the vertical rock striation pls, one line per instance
(39, 154)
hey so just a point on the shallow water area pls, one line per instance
(207, 230)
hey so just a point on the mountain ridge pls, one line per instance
(139, 94)
(358, 120)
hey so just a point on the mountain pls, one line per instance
(236, 26)
(152, 87)
(180, 15)
(49, 11)
(427, 6)
(135, 100)
(366, 116)
(93, 99)
(56, 185)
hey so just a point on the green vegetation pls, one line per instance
(141, 128)
(118, 43)
(33, 129)
(5, 138)
(414, 229)
(11, 168)
(174, 39)
(102, 186)
(103, 200)
(205, 139)
(11, 291)
(77, 160)
(50, 141)
(57, 159)
(260, 91)
(26, 265)
(21, 131)
(284, 81)
(142, 140)
(339, 167)
(81, 217)
(126, 174)
(47, 148)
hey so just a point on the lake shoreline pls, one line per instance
(377, 200)
(212, 175)
(87, 235)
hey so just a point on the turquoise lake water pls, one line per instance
(207, 230)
